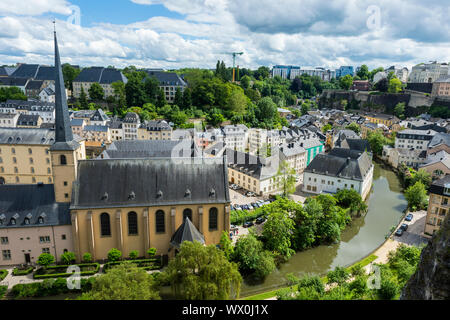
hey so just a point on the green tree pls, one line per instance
(151, 89)
(96, 92)
(226, 246)
(119, 95)
(201, 272)
(382, 85)
(350, 198)
(114, 255)
(69, 74)
(346, 82)
(13, 93)
(68, 257)
(249, 253)
(277, 233)
(354, 127)
(399, 110)
(83, 99)
(395, 85)
(161, 100)
(123, 282)
(422, 176)
(363, 72)
(45, 259)
(215, 118)
(187, 99)
(416, 195)
(245, 82)
(135, 91)
(377, 140)
(286, 177)
(326, 128)
(178, 100)
(237, 103)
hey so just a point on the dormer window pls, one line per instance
(187, 193)
(41, 220)
(131, 196)
(27, 221)
(13, 221)
(159, 194)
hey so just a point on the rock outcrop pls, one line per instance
(432, 278)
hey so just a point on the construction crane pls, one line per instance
(234, 54)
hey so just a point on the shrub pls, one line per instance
(3, 274)
(45, 259)
(87, 257)
(134, 254)
(46, 272)
(114, 255)
(49, 287)
(145, 264)
(68, 257)
(22, 272)
(357, 270)
(151, 252)
(339, 275)
(3, 290)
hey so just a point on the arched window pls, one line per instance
(160, 221)
(63, 160)
(213, 213)
(105, 225)
(132, 223)
(187, 213)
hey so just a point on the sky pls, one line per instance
(173, 34)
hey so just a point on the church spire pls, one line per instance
(63, 131)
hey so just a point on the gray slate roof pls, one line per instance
(101, 75)
(166, 78)
(22, 201)
(339, 162)
(356, 144)
(138, 149)
(12, 81)
(26, 71)
(439, 138)
(186, 232)
(27, 136)
(254, 166)
(150, 182)
(6, 71)
(437, 187)
(28, 119)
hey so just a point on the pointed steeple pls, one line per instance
(63, 132)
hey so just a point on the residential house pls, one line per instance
(339, 169)
(236, 137)
(8, 120)
(29, 121)
(438, 205)
(169, 82)
(105, 77)
(441, 87)
(130, 124)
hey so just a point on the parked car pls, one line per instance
(250, 194)
(404, 227)
(409, 217)
(248, 224)
(250, 207)
(245, 207)
(233, 227)
(238, 208)
(260, 220)
(399, 232)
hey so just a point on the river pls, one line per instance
(386, 204)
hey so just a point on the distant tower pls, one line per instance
(66, 151)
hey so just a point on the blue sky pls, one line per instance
(118, 12)
(195, 33)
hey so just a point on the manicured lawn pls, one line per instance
(270, 294)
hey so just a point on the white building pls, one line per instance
(259, 140)
(339, 169)
(295, 155)
(8, 120)
(414, 139)
(236, 137)
(428, 72)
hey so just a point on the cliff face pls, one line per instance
(432, 278)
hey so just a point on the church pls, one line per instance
(92, 206)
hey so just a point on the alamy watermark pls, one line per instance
(374, 20)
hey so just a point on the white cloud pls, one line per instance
(306, 33)
(33, 7)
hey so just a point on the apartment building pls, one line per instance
(441, 87)
(169, 82)
(155, 130)
(260, 140)
(130, 126)
(103, 76)
(438, 205)
(236, 137)
(414, 139)
(428, 72)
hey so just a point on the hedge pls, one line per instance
(65, 274)
(22, 272)
(49, 287)
(3, 290)
(156, 262)
(3, 274)
(241, 216)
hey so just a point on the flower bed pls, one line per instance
(86, 269)
(146, 264)
(3, 274)
(22, 271)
